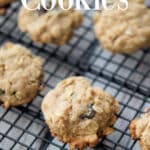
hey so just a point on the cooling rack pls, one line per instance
(126, 77)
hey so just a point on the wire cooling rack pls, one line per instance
(127, 78)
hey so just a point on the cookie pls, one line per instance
(56, 26)
(79, 114)
(140, 129)
(124, 31)
(20, 75)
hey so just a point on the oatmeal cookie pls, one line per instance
(20, 75)
(124, 31)
(79, 114)
(140, 129)
(56, 26)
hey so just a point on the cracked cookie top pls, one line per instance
(20, 75)
(54, 26)
(124, 31)
(78, 113)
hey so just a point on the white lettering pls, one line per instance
(125, 2)
(84, 3)
(24, 2)
(61, 4)
(51, 4)
(104, 3)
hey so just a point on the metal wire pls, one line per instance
(126, 77)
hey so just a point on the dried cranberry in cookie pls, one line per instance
(78, 113)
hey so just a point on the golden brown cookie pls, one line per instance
(124, 31)
(55, 26)
(140, 129)
(78, 113)
(20, 75)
